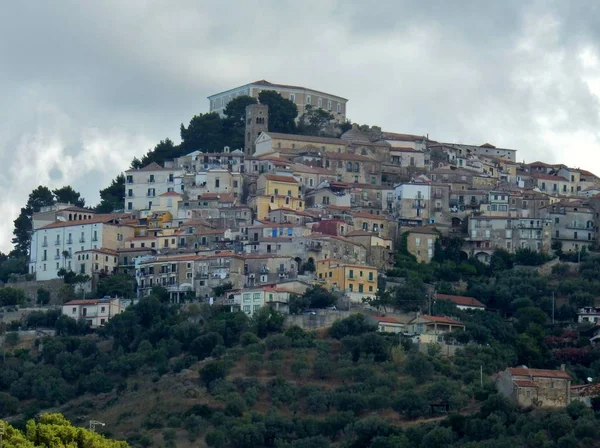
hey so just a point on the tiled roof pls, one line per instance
(524, 371)
(426, 230)
(403, 149)
(441, 320)
(369, 216)
(306, 139)
(348, 156)
(171, 193)
(525, 383)
(277, 178)
(389, 320)
(221, 197)
(549, 177)
(460, 300)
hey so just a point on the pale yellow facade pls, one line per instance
(355, 281)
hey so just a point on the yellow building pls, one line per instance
(354, 280)
(274, 192)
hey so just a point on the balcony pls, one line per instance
(150, 180)
(579, 227)
(82, 239)
(45, 244)
(95, 239)
(57, 243)
(70, 241)
(57, 257)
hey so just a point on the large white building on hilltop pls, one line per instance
(301, 96)
(63, 244)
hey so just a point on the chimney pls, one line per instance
(562, 367)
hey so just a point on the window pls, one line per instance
(247, 297)
(293, 97)
(351, 273)
(339, 108)
(328, 105)
(370, 276)
(319, 102)
(308, 100)
(556, 220)
(217, 182)
(351, 287)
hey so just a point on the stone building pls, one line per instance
(573, 225)
(535, 387)
(257, 122)
(420, 242)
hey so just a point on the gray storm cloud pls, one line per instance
(86, 87)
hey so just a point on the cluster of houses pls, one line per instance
(287, 211)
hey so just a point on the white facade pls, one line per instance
(53, 247)
(412, 192)
(96, 313)
(250, 301)
(144, 186)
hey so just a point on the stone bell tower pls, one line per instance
(257, 121)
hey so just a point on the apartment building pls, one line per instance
(485, 150)
(355, 281)
(54, 245)
(175, 273)
(96, 261)
(260, 269)
(487, 233)
(421, 203)
(552, 184)
(573, 225)
(303, 97)
(276, 191)
(144, 185)
(382, 225)
(251, 300)
(353, 168)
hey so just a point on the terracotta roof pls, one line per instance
(277, 178)
(487, 145)
(222, 197)
(524, 371)
(426, 230)
(305, 138)
(171, 193)
(525, 383)
(549, 177)
(389, 320)
(369, 216)
(348, 156)
(441, 320)
(586, 390)
(361, 233)
(460, 300)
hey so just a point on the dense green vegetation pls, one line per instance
(266, 386)
(53, 430)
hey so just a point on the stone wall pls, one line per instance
(553, 392)
(323, 319)
(31, 287)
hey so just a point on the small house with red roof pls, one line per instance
(95, 312)
(535, 387)
(387, 324)
(462, 302)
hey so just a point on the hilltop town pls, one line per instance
(285, 277)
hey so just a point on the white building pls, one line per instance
(250, 301)
(144, 185)
(462, 302)
(588, 314)
(96, 312)
(55, 245)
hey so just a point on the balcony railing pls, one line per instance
(70, 241)
(57, 257)
(57, 243)
(45, 244)
(82, 240)
(95, 238)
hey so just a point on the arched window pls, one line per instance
(70, 217)
(349, 166)
(356, 167)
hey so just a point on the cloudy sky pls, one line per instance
(86, 86)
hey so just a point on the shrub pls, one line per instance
(213, 371)
(248, 338)
(351, 326)
(216, 438)
(235, 405)
(277, 342)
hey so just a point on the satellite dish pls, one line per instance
(589, 378)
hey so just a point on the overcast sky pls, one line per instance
(86, 86)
